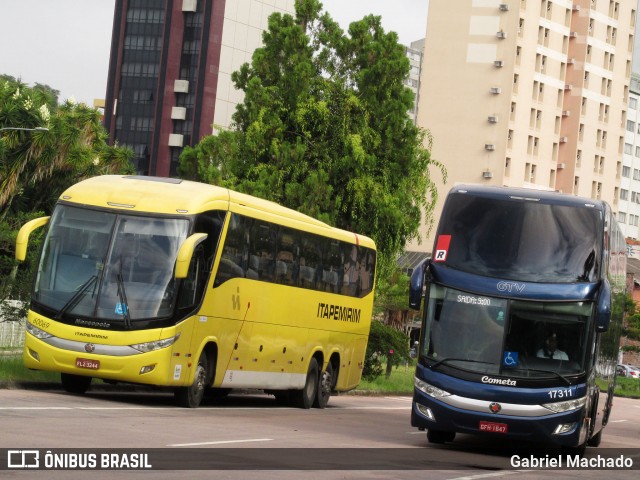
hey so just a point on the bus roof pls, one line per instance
(515, 193)
(173, 196)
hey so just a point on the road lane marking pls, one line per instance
(489, 475)
(618, 421)
(220, 442)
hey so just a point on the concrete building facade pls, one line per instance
(629, 198)
(170, 72)
(414, 54)
(528, 93)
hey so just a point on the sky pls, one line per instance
(66, 43)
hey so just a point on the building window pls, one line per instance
(631, 126)
(628, 148)
(622, 217)
(624, 194)
(633, 103)
(626, 171)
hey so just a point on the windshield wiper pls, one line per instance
(559, 375)
(73, 301)
(123, 298)
(451, 359)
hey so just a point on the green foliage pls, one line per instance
(15, 283)
(631, 328)
(37, 166)
(392, 290)
(382, 340)
(324, 129)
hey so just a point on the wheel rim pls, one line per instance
(325, 384)
(197, 389)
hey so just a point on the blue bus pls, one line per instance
(523, 302)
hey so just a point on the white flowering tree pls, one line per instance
(36, 165)
(44, 148)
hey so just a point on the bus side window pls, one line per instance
(332, 270)
(262, 251)
(194, 285)
(287, 257)
(349, 267)
(309, 261)
(365, 267)
(233, 263)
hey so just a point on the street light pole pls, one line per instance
(36, 129)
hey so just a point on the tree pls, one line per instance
(324, 129)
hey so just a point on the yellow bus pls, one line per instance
(173, 283)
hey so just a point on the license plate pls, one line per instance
(493, 427)
(87, 363)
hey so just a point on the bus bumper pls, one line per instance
(150, 368)
(430, 413)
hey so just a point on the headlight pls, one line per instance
(155, 345)
(566, 406)
(37, 332)
(429, 389)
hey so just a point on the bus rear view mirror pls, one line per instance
(416, 284)
(186, 252)
(22, 240)
(603, 307)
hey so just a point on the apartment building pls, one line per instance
(170, 72)
(528, 93)
(629, 199)
(414, 54)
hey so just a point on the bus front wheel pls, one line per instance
(304, 398)
(439, 436)
(191, 396)
(77, 384)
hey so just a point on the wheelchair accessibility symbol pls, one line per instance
(510, 359)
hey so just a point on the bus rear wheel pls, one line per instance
(325, 386)
(191, 396)
(304, 398)
(77, 384)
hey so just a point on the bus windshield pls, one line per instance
(501, 238)
(497, 336)
(109, 266)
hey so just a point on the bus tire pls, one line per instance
(574, 451)
(440, 436)
(325, 386)
(191, 396)
(596, 439)
(77, 384)
(304, 398)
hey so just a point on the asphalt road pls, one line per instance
(250, 436)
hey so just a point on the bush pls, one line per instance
(382, 340)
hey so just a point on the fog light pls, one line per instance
(34, 354)
(564, 428)
(426, 411)
(147, 369)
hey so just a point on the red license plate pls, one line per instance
(87, 363)
(493, 427)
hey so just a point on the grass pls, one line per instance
(400, 381)
(12, 370)
(627, 387)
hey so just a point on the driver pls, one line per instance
(551, 350)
